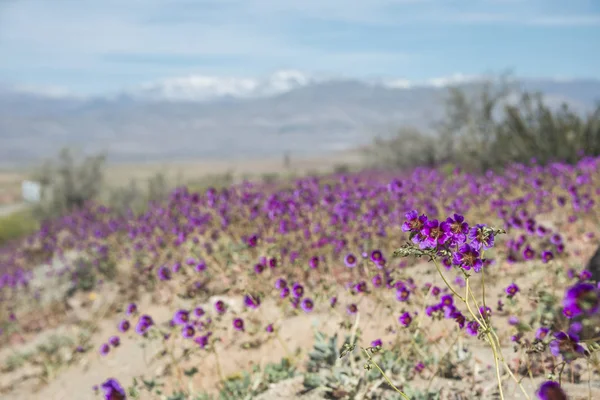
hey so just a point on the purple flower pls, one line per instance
(144, 323)
(447, 300)
(361, 287)
(188, 331)
(479, 239)
(113, 390)
(376, 343)
(297, 290)
(584, 275)
(131, 309)
(164, 273)
(104, 349)
(472, 328)
(581, 298)
(352, 309)
(350, 260)
(528, 253)
(251, 301)
(547, 256)
(377, 281)
(220, 306)
(114, 341)
(181, 317)
(414, 222)
(566, 344)
(402, 293)
(252, 241)
(198, 312)
(458, 229)
(307, 305)
(435, 233)
(280, 283)
(333, 301)
(202, 341)
(467, 257)
(200, 267)
(376, 256)
(511, 290)
(551, 390)
(405, 319)
(238, 324)
(542, 332)
(123, 326)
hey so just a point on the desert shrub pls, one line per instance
(408, 148)
(17, 225)
(483, 129)
(531, 129)
(135, 198)
(68, 183)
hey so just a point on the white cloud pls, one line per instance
(98, 38)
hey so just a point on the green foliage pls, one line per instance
(325, 352)
(16, 226)
(86, 275)
(274, 373)
(531, 129)
(483, 129)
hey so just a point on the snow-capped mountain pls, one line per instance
(202, 87)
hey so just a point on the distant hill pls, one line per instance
(189, 119)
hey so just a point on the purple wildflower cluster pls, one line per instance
(454, 234)
(316, 225)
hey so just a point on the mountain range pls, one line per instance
(200, 117)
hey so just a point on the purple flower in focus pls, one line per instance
(467, 257)
(479, 239)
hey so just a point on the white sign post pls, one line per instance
(31, 191)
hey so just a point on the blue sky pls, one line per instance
(100, 46)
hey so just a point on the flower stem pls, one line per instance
(384, 375)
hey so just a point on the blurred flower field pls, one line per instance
(433, 284)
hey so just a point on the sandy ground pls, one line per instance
(129, 360)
